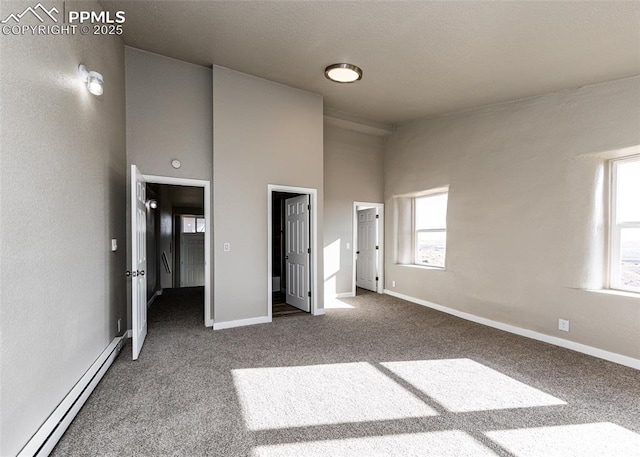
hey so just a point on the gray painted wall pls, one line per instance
(526, 226)
(153, 238)
(165, 237)
(169, 116)
(264, 133)
(353, 171)
(62, 197)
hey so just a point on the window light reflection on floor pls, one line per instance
(441, 444)
(335, 303)
(462, 385)
(600, 439)
(299, 396)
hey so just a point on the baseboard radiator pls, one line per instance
(44, 440)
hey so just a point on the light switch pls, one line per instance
(114, 245)
(227, 247)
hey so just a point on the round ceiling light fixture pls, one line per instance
(343, 73)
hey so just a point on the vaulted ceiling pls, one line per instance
(420, 58)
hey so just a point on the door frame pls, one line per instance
(313, 237)
(206, 185)
(380, 266)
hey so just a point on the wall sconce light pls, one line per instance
(93, 79)
(153, 204)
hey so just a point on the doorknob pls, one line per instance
(128, 273)
(287, 257)
(357, 252)
(141, 273)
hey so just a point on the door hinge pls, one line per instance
(308, 250)
(376, 278)
(377, 247)
(309, 207)
(309, 293)
(377, 216)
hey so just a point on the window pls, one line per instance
(430, 229)
(624, 271)
(192, 224)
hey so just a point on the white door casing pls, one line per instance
(138, 260)
(297, 252)
(367, 252)
(191, 259)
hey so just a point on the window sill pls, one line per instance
(421, 267)
(620, 293)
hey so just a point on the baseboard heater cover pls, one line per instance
(44, 440)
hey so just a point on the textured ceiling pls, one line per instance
(419, 58)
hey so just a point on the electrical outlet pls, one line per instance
(119, 324)
(563, 324)
(393, 283)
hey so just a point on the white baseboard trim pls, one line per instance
(346, 295)
(319, 312)
(241, 322)
(578, 347)
(127, 334)
(49, 433)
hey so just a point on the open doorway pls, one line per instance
(279, 306)
(368, 242)
(175, 237)
(292, 262)
(170, 249)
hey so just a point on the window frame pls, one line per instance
(196, 218)
(415, 231)
(615, 228)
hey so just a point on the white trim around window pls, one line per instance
(622, 262)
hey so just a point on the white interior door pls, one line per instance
(138, 260)
(297, 252)
(367, 261)
(191, 259)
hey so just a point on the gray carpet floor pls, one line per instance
(376, 376)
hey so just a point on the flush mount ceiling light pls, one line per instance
(93, 79)
(343, 73)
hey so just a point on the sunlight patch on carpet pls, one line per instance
(441, 444)
(299, 396)
(335, 303)
(462, 385)
(602, 439)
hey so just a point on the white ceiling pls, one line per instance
(420, 58)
